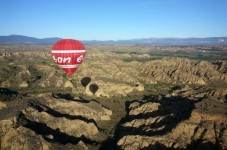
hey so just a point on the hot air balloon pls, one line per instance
(68, 54)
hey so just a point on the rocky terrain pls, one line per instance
(113, 101)
(172, 123)
(115, 74)
(50, 122)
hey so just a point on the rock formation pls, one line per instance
(200, 92)
(183, 71)
(49, 120)
(114, 74)
(170, 123)
(20, 138)
(221, 66)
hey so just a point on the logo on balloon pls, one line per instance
(62, 60)
(79, 59)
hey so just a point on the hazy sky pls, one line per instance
(113, 19)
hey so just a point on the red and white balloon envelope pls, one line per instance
(68, 54)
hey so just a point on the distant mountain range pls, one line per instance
(20, 39)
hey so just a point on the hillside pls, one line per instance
(20, 39)
(115, 100)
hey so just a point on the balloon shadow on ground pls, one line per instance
(85, 81)
(93, 88)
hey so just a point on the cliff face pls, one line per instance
(171, 123)
(184, 71)
(50, 119)
(221, 66)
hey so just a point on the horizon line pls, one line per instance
(120, 39)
